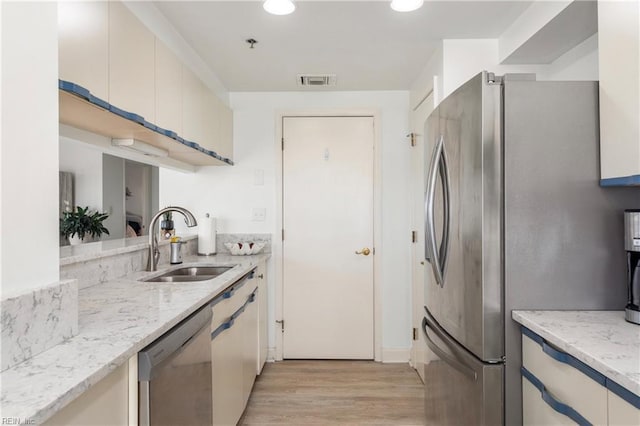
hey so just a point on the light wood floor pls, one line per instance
(336, 393)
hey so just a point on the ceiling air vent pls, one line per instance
(317, 80)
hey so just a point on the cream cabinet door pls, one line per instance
(168, 89)
(250, 355)
(131, 63)
(210, 120)
(106, 403)
(226, 369)
(83, 45)
(225, 132)
(193, 107)
(621, 412)
(619, 69)
(263, 330)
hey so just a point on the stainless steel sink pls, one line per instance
(190, 274)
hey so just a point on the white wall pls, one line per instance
(430, 79)
(579, 63)
(462, 59)
(29, 146)
(229, 193)
(85, 162)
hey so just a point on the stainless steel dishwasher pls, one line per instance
(174, 375)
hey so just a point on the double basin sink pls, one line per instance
(190, 274)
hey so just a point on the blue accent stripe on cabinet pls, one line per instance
(73, 88)
(564, 357)
(222, 327)
(558, 406)
(633, 180)
(623, 393)
(77, 90)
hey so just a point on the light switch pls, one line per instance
(258, 214)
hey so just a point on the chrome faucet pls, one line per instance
(154, 253)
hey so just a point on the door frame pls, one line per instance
(277, 250)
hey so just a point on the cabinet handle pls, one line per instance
(564, 357)
(222, 327)
(556, 405)
(261, 276)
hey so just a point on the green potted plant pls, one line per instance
(76, 225)
(167, 221)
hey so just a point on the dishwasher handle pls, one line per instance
(170, 344)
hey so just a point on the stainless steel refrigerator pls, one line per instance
(515, 219)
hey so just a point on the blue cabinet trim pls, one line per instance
(558, 406)
(83, 93)
(222, 327)
(623, 393)
(633, 180)
(564, 357)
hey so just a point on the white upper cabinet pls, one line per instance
(211, 121)
(104, 48)
(168, 89)
(225, 130)
(619, 57)
(193, 107)
(131, 63)
(83, 45)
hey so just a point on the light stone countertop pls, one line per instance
(99, 249)
(601, 339)
(116, 320)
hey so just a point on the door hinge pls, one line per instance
(415, 333)
(283, 235)
(281, 322)
(414, 236)
(412, 136)
(283, 144)
(493, 79)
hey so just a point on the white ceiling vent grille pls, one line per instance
(316, 80)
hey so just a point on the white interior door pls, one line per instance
(418, 187)
(327, 218)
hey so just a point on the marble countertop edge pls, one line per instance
(597, 345)
(41, 386)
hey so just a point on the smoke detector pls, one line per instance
(316, 80)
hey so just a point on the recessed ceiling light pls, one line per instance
(406, 5)
(279, 7)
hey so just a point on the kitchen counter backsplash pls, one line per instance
(114, 263)
(97, 263)
(37, 320)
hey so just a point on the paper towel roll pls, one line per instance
(207, 235)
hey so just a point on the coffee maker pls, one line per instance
(632, 246)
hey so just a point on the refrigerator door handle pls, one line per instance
(428, 214)
(446, 186)
(430, 228)
(451, 360)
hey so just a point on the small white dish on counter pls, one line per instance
(243, 249)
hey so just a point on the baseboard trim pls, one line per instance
(271, 355)
(396, 355)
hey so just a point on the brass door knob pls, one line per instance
(364, 251)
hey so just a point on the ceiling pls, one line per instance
(365, 43)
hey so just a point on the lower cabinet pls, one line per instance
(111, 401)
(234, 349)
(263, 336)
(558, 389)
(622, 412)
